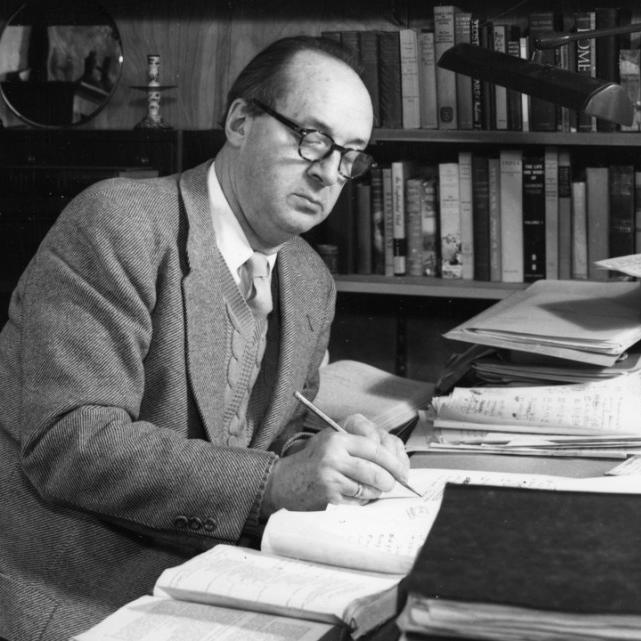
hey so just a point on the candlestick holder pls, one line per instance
(153, 119)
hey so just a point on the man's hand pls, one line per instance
(337, 468)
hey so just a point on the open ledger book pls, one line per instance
(351, 387)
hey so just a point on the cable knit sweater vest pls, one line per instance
(245, 342)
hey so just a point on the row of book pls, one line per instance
(410, 91)
(519, 216)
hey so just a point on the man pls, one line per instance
(147, 382)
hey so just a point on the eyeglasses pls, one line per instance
(314, 145)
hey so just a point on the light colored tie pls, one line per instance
(259, 295)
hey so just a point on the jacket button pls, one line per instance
(210, 525)
(181, 521)
(195, 523)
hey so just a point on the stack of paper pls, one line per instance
(584, 321)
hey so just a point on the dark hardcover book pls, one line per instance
(565, 215)
(585, 60)
(533, 217)
(378, 221)
(607, 55)
(481, 216)
(486, 37)
(597, 204)
(543, 114)
(350, 40)
(368, 46)
(363, 228)
(389, 79)
(514, 100)
(465, 108)
(477, 84)
(549, 551)
(621, 210)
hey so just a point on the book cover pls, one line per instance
(499, 34)
(411, 115)
(598, 219)
(463, 33)
(622, 221)
(534, 236)
(496, 250)
(402, 170)
(630, 80)
(481, 216)
(514, 98)
(466, 215)
(450, 220)
(378, 220)
(389, 79)
(427, 80)
(477, 84)
(565, 215)
(511, 207)
(388, 220)
(579, 230)
(585, 61)
(542, 112)
(551, 170)
(368, 45)
(363, 228)
(444, 39)
(607, 55)
(543, 535)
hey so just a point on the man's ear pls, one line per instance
(237, 122)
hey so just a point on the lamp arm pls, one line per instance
(553, 40)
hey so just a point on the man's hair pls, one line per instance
(265, 77)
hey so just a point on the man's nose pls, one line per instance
(326, 169)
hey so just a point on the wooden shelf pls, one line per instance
(424, 286)
(476, 137)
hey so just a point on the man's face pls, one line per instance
(279, 193)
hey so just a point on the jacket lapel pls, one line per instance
(205, 316)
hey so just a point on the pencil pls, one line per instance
(334, 425)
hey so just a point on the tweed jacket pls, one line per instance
(113, 457)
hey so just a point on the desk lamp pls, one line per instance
(600, 98)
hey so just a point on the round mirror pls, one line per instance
(60, 62)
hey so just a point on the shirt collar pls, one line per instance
(230, 237)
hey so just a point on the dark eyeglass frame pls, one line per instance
(303, 131)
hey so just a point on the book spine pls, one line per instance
(630, 80)
(585, 62)
(500, 93)
(462, 33)
(551, 169)
(487, 88)
(408, 42)
(566, 60)
(369, 60)
(444, 39)
(414, 227)
(542, 112)
(514, 116)
(637, 211)
(363, 229)
(389, 79)
(481, 216)
(598, 219)
(607, 55)
(427, 80)
(579, 231)
(622, 219)
(565, 215)
(494, 178)
(450, 223)
(524, 48)
(388, 220)
(466, 214)
(511, 204)
(400, 174)
(378, 221)
(429, 227)
(341, 229)
(533, 217)
(477, 85)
